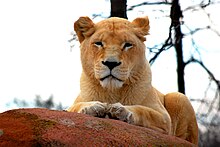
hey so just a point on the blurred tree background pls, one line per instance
(39, 103)
(208, 113)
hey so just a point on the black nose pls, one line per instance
(111, 65)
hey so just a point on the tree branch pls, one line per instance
(168, 44)
(217, 82)
(201, 5)
(192, 32)
(148, 3)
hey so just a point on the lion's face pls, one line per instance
(112, 51)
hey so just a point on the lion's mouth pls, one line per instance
(110, 76)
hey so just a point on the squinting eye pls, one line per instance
(127, 46)
(98, 44)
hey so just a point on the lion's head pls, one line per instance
(112, 51)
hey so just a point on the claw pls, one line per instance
(119, 112)
(97, 109)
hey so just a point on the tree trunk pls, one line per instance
(119, 8)
(175, 16)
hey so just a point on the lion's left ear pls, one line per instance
(141, 26)
(84, 27)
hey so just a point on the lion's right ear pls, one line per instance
(84, 27)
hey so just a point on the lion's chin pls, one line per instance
(111, 83)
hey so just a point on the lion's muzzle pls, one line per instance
(110, 77)
(111, 64)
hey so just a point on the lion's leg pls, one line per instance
(183, 117)
(93, 108)
(142, 116)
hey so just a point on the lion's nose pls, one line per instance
(111, 64)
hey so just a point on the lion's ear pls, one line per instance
(141, 25)
(84, 27)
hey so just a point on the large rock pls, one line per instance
(43, 127)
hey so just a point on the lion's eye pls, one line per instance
(98, 44)
(127, 46)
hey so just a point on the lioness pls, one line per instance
(116, 79)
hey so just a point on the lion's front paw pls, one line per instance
(118, 111)
(96, 109)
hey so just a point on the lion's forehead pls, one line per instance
(114, 24)
(113, 36)
(114, 30)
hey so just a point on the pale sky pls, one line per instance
(36, 59)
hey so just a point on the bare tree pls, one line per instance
(119, 8)
(176, 15)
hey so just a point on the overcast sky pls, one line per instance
(36, 59)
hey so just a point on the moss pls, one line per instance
(1, 132)
(38, 125)
(98, 125)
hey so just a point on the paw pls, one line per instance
(96, 109)
(118, 111)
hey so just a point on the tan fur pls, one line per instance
(116, 79)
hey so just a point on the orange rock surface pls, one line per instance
(43, 127)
